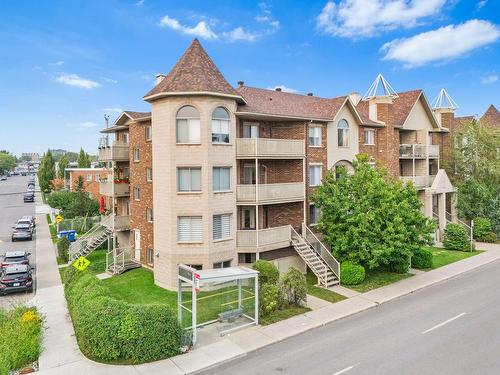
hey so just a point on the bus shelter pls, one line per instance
(228, 297)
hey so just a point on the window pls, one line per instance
(250, 130)
(224, 264)
(246, 258)
(197, 267)
(220, 125)
(315, 136)
(369, 137)
(221, 178)
(137, 193)
(97, 177)
(221, 227)
(137, 154)
(315, 175)
(149, 174)
(343, 133)
(188, 125)
(149, 215)
(314, 214)
(188, 179)
(189, 229)
(149, 133)
(125, 137)
(149, 257)
(89, 177)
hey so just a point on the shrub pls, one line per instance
(422, 258)
(108, 329)
(351, 273)
(294, 286)
(268, 273)
(490, 237)
(63, 248)
(269, 299)
(400, 266)
(455, 237)
(482, 226)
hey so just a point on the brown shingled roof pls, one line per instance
(403, 105)
(280, 103)
(463, 119)
(491, 116)
(137, 115)
(363, 110)
(194, 72)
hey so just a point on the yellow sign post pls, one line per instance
(81, 263)
(58, 219)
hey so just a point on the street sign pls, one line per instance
(81, 263)
(58, 219)
(197, 282)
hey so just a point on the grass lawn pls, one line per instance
(97, 260)
(376, 279)
(52, 229)
(283, 314)
(441, 257)
(319, 292)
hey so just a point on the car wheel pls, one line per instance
(13, 240)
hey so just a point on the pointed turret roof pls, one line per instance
(194, 72)
(444, 101)
(379, 88)
(492, 116)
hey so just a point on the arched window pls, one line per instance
(188, 125)
(220, 125)
(343, 165)
(343, 133)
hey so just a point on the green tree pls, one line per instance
(46, 171)
(370, 218)
(7, 162)
(83, 159)
(63, 164)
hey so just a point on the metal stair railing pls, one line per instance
(321, 250)
(79, 245)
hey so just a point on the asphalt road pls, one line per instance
(13, 208)
(450, 328)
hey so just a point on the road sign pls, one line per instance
(81, 263)
(58, 219)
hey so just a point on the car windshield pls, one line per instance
(14, 259)
(22, 227)
(15, 275)
(24, 222)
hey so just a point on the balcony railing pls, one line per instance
(269, 148)
(419, 181)
(270, 193)
(119, 223)
(117, 151)
(416, 151)
(110, 188)
(263, 239)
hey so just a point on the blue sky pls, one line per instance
(63, 64)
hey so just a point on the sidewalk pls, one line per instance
(62, 356)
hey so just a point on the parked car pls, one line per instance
(29, 197)
(23, 173)
(3, 178)
(15, 257)
(22, 232)
(30, 218)
(28, 221)
(16, 278)
(30, 188)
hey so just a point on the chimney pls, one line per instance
(241, 83)
(278, 88)
(355, 98)
(159, 77)
(309, 94)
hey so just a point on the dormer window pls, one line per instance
(220, 125)
(343, 133)
(188, 125)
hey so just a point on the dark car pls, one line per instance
(22, 232)
(15, 258)
(16, 278)
(29, 197)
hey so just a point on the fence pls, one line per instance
(80, 224)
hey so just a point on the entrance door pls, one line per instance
(137, 243)
(249, 174)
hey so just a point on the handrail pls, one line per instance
(321, 250)
(76, 246)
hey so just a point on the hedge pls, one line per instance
(268, 273)
(422, 258)
(112, 330)
(483, 230)
(351, 273)
(63, 248)
(455, 237)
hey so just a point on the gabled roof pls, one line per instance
(463, 119)
(403, 105)
(363, 110)
(121, 121)
(194, 73)
(491, 116)
(138, 115)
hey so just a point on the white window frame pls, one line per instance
(345, 134)
(149, 215)
(148, 133)
(317, 131)
(190, 190)
(193, 234)
(253, 131)
(136, 154)
(137, 193)
(320, 176)
(221, 264)
(367, 140)
(88, 178)
(220, 123)
(317, 215)
(214, 179)
(149, 174)
(225, 227)
(150, 257)
(193, 128)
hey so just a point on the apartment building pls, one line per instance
(233, 168)
(91, 179)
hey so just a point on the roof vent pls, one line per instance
(380, 88)
(278, 88)
(241, 83)
(309, 94)
(159, 77)
(444, 101)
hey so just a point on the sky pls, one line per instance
(65, 63)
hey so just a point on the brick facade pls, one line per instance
(370, 150)
(91, 177)
(388, 139)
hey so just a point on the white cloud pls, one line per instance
(57, 63)
(113, 109)
(88, 124)
(283, 88)
(140, 3)
(76, 80)
(489, 79)
(481, 4)
(267, 18)
(366, 18)
(443, 44)
(202, 29)
(110, 80)
(240, 34)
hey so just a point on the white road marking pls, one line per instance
(445, 322)
(346, 369)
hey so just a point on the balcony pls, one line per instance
(419, 181)
(114, 189)
(263, 239)
(416, 151)
(270, 193)
(120, 223)
(269, 148)
(118, 151)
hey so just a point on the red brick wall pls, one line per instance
(447, 121)
(285, 214)
(388, 139)
(370, 150)
(315, 155)
(92, 187)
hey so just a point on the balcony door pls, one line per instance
(249, 174)
(248, 218)
(250, 130)
(137, 244)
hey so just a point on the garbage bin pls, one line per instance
(62, 233)
(71, 235)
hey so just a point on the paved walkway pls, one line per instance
(62, 356)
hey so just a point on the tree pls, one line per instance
(46, 171)
(370, 218)
(7, 162)
(83, 159)
(63, 164)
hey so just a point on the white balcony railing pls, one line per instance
(269, 148)
(419, 181)
(416, 151)
(114, 189)
(270, 193)
(117, 151)
(264, 239)
(119, 222)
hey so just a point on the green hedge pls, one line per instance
(455, 237)
(268, 273)
(351, 273)
(111, 330)
(483, 230)
(63, 248)
(421, 259)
